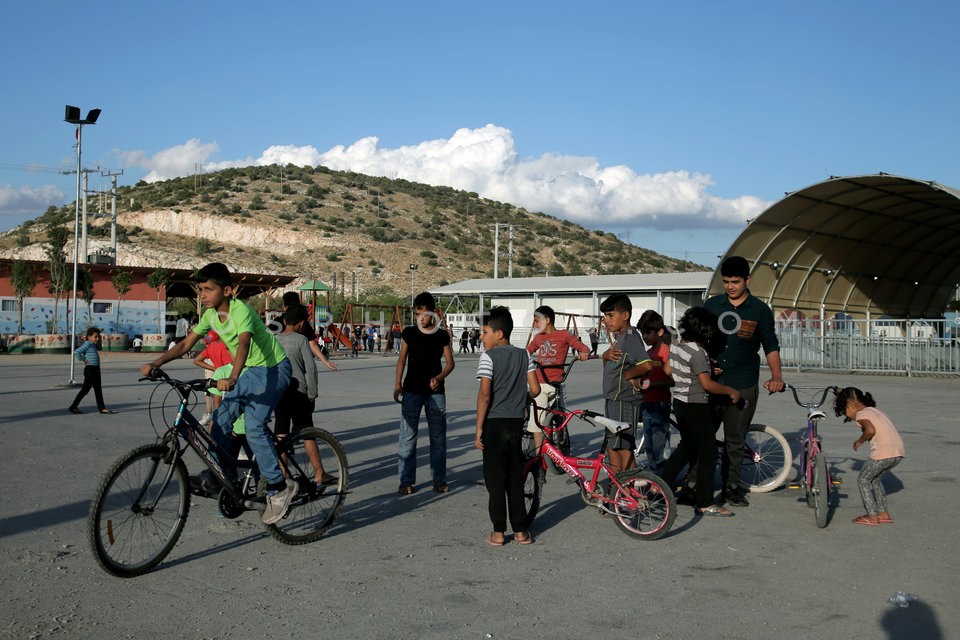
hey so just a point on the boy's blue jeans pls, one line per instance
(656, 426)
(256, 394)
(435, 406)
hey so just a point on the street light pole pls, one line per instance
(413, 270)
(72, 115)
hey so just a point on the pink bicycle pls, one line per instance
(641, 503)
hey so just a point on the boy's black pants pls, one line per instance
(503, 472)
(91, 378)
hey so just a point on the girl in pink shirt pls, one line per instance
(886, 450)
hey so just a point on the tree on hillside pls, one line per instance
(57, 236)
(121, 282)
(158, 280)
(24, 279)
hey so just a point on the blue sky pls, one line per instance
(673, 122)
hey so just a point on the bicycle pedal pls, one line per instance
(836, 482)
(794, 485)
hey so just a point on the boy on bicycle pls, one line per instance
(549, 348)
(261, 374)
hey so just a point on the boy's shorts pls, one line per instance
(548, 393)
(295, 409)
(623, 412)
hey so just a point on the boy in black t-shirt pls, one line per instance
(422, 346)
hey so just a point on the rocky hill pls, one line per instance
(315, 223)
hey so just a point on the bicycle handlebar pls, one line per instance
(811, 404)
(159, 375)
(565, 366)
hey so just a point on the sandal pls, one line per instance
(715, 511)
(865, 519)
(494, 543)
(886, 520)
(441, 487)
(326, 481)
(406, 489)
(526, 539)
(106, 411)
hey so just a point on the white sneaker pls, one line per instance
(204, 419)
(278, 503)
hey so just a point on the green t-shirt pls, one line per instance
(265, 351)
(222, 373)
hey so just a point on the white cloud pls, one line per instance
(174, 162)
(578, 188)
(485, 160)
(24, 202)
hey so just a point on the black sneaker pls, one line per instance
(738, 499)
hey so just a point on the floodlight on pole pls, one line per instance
(72, 115)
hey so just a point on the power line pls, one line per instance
(31, 168)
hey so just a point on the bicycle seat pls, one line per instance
(816, 414)
(613, 425)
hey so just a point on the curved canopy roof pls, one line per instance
(877, 244)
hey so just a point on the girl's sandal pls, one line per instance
(865, 520)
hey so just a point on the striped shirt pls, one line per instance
(688, 360)
(88, 351)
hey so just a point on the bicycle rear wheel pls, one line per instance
(767, 459)
(139, 511)
(303, 456)
(821, 490)
(532, 485)
(643, 504)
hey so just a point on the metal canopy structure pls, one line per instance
(863, 245)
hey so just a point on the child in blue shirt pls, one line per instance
(89, 355)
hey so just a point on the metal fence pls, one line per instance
(884, 346)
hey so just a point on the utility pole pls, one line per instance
(510, 254)
(113, 209)
(496, 249)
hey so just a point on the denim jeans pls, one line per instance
(656, 425)
(256, 394)
(435, 406)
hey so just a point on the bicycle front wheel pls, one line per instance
(139, 511)
(306, 456)
(767, 459)
(821, 490)
(643, 504)
(532, 485)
